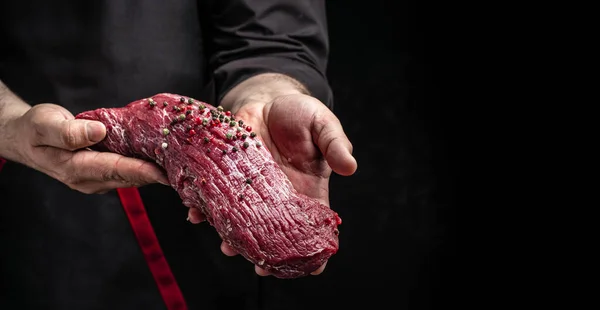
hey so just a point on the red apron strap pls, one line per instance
(134, 207)
(2, 162)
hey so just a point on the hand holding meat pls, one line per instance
(49, 139)
(234, 174)
(306, 140)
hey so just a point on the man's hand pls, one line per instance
(305, 138)
(48, 138)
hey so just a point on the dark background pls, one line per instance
(389, 72)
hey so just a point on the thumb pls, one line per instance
(329, 136)
(60, 131)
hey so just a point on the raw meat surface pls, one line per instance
(218, 165)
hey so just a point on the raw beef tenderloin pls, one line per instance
(218, 164)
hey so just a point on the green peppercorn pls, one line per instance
(206, 140)
(165, 131)
(234, 149)
(248, 181)
(253, 134)
(232, 123)
(182, 99)
(246, 145)
(220, 108)
(229, 136)
(181, 117)
(244, 136)
(190, 100)
(165, 103)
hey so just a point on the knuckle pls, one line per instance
(133, 183)
(138, 176)
(146, 173)
(36, 123)
(61, 157)
(87, 191)
(321, 122)
(70, 178)
(106, 175)
(71, 181)
(93, 190)
(77, 185)
(38, 126)
(69, 136)
(65, 178)
(115, 173)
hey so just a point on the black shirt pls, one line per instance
(65, 250)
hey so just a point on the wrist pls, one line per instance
(262, 88)
(8, 139)
(11, 109)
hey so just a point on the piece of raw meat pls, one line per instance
(218, 164)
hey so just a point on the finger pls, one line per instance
(195, 216)
(56, 129)
(264, 273)
(320, 270)
(329, 136)
(227, 250)
(99, 166)
(95, 187)
(261, 272)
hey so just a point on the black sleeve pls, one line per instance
(249, 37)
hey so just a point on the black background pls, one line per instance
(389, 72)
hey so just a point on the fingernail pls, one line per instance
(95, 131)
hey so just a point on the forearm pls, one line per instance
(261, 88)
(250, 37)
(11, 107)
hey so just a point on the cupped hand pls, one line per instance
(307, 141)
(48, 138)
